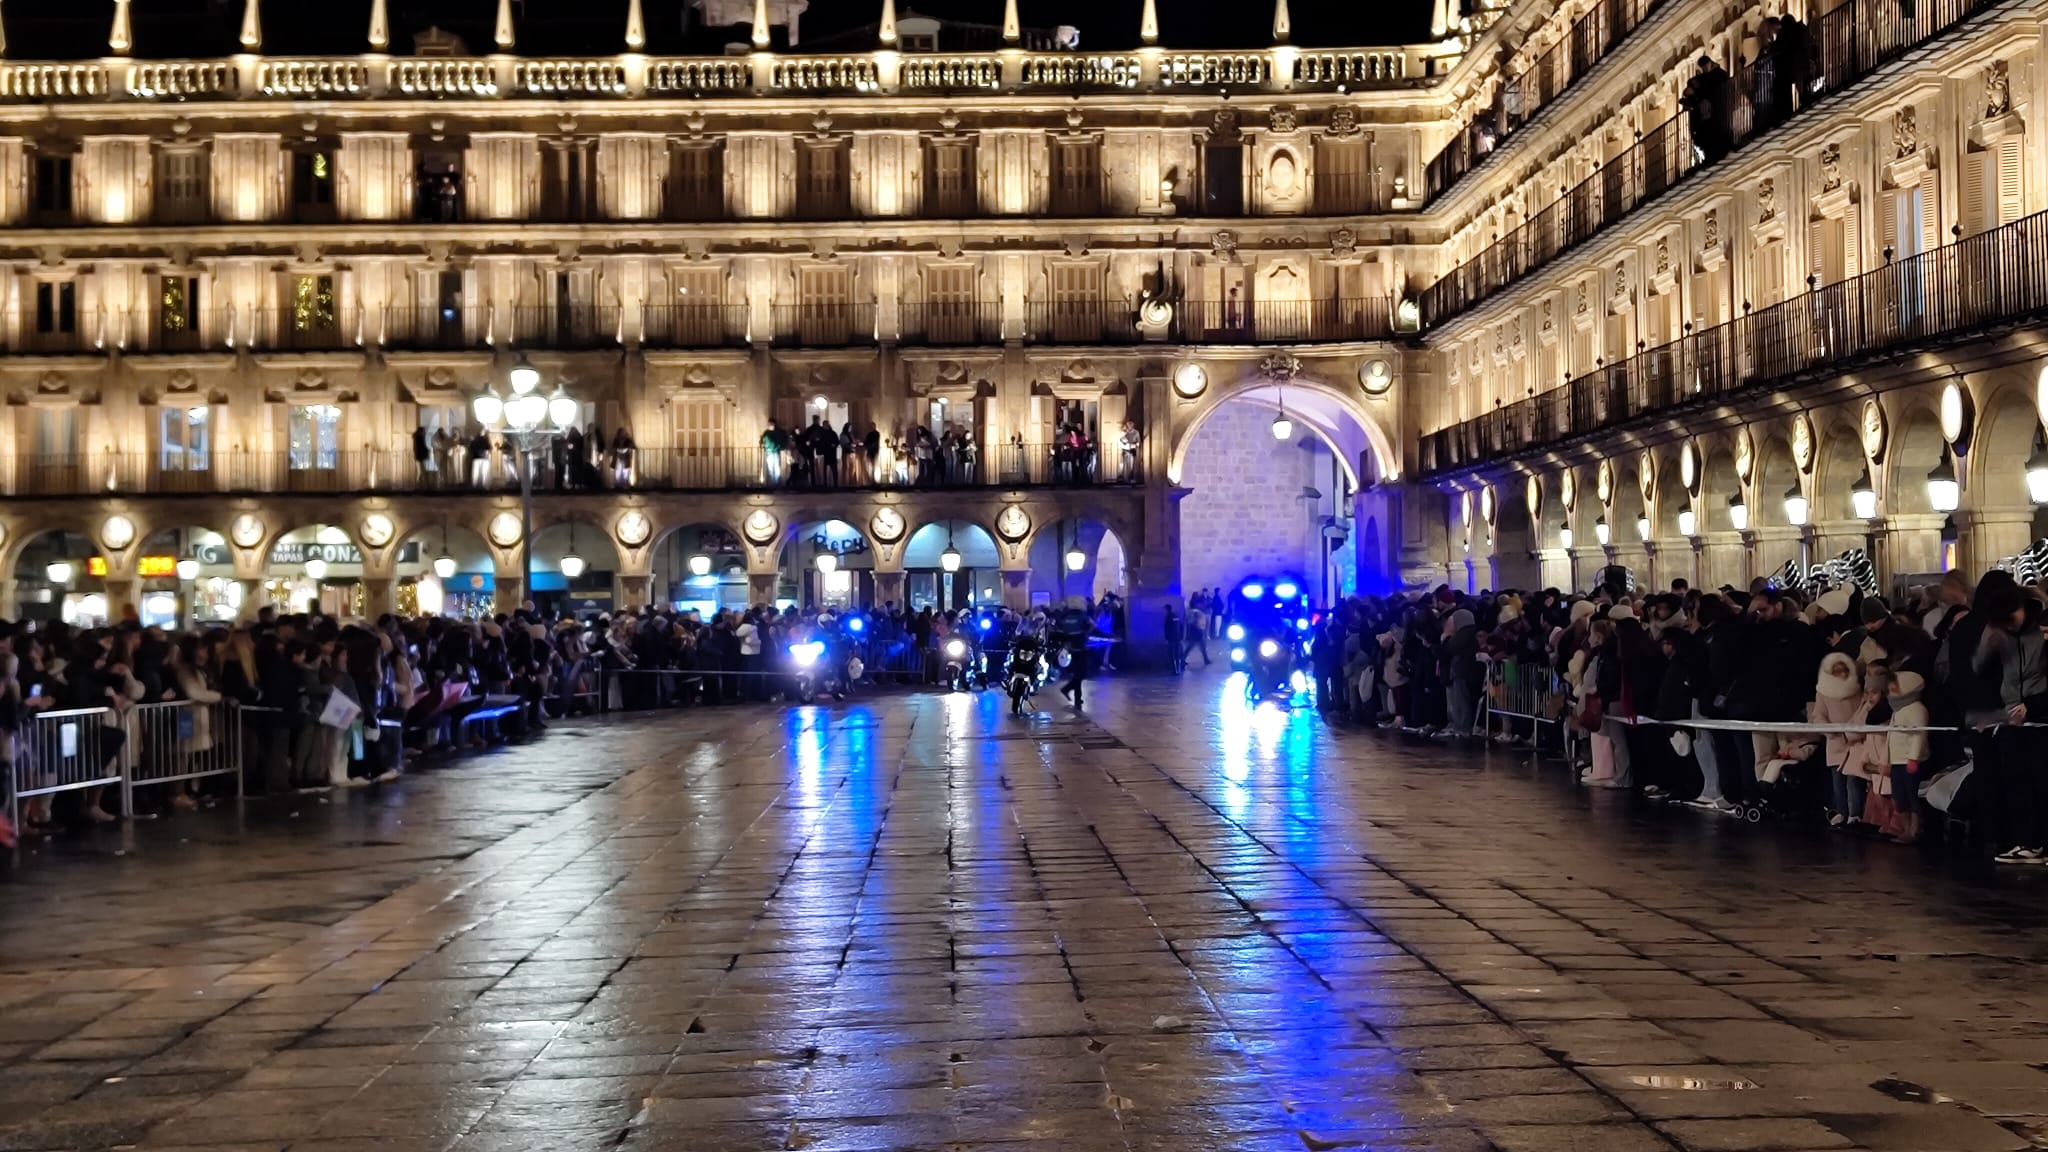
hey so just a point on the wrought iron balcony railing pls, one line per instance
(1994, 278)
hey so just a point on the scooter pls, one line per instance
(1268, 666)
(1026, 672)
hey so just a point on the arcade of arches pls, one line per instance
(1921, 481)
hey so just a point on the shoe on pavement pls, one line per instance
(1703, 803)
(388, 776)
(2015, 856)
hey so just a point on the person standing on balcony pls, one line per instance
(871, 445)
(1763, 79)
(441, 457)
(1709, 105)
(825, 446)
(774, 443)
(423, 455)
(622, 458)
(1798, 63)
(1127, 442)
(849, 448)
(480, 460)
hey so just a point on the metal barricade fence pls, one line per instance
(1526, 691)
(62, 751)
(179, 740)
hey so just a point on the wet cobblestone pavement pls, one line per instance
(913, 922)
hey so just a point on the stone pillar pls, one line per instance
(1985, 537)
(1017, 589)
(508, 591)
(635, 591)
(889, 588)
(380, 595)
(252, 598)
(122, 595)
(761, 587)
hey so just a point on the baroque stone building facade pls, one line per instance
(1496, 275)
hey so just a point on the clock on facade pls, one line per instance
(378, 529)
(117, 532)
(1745, 454)
(1376, 376)
(1013, 522)
(634, 528)
(504, 529)
(887, 525)
(1603, 482)
(760, 526)
(1190, 379)
(1802, 442)
(246, 531)
(1873, 430)
(1568, 490)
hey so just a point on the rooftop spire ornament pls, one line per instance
(636, 27)
(1148, 24)
(888, 35)
(252, 25)
(760, 25)
(1013, 29)
(380, 27)
(1440, 19)
(120, 38)
(503, 33)
(1283, 27)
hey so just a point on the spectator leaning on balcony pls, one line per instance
(622, 458)
(774, 446)
(1708, 101)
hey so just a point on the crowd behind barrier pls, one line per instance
(1832, 705)
(301, 702)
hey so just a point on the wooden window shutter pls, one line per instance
(1892, 204)
(1817, 249)
(1977, 203)
(1851, 238)
(1930, 211)
(2012, 201)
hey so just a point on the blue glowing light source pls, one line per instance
(1253, 591)
(856, 624)
(1234, 632)
(1301, 625)
(1237, 655)
(1268, 649)
(985, 623)
(1285, 590)
(1299, 681)
(807, 653)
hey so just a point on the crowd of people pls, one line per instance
(815, 456)
(325, 704)
(1951, 675)
(580, 459)
(1782, 79)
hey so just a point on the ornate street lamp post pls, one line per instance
(528, 422)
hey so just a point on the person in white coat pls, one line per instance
(197, 686)
(1908, 750)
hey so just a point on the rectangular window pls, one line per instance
(53, 187)
(181, 186)
(1076, 302)
(1340, 176)
(695, 315)
(824, 309)
(696, 187)
(313, 180)
(177, 304)
(1223, 178)
(949, 178)
(1076, 177)
(313, 304)
(951, 313)
(315, 437)
(821, 188)
(56, 308)
(182, 437)
(56, 433)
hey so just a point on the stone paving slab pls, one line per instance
(913, 922)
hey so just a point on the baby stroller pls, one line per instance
(1793, 784)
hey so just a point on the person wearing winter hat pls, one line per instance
(1838, 698)
(1907, 750)
(1582, 610)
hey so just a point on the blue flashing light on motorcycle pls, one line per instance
(1301, 624)
(1268, 649)
(1284, 590)
(807, 653)
(1237, 655)
(985, 623)
(1253, 591)
(1235, 632)
(855, 624)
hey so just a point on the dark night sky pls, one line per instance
(78, 28)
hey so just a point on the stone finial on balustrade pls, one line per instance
(1440, 19)
(380, 26)
(636, 27)
(1283, 26)
(502, 34)
(1013, 28)
(121, 37)
(760, 25)
(252, 26)
(888, 32)
(1148, 24)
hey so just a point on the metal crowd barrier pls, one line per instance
(1519, 690)
(62, 751)
(179, 740)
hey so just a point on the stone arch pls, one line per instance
(1671, 498)
(673, 550)
(1776, 474)
(2004, 438)
(1626, 507)
(1718, 483)
(1913, 449)
(1333, 414)
(1839, 460)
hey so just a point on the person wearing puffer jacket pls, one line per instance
(1907, 750)
(1839, 699)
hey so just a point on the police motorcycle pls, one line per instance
(960, 664)
(1268, 636)
(824, 661)
(1026, 669)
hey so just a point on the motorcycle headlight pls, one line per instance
(1253, 591)
(955, 648)
(1285, 591)
(1235, 631)
(1301, 625)
(856, 624)
(1268, 649)
(1237, 655)
(806, 654)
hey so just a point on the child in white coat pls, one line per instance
(1908, 751)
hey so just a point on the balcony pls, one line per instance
(1854, 41)
(1593, 36)
(952, 322)
(1081, 321)
(427, 329)
(1989, 280)
(821, 325)
(393, 472)
(1285, 321)
(310, 330)
(693, 326)
(570, 329)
